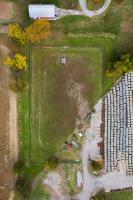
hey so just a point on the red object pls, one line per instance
(69, 146)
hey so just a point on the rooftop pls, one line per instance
(42, 11)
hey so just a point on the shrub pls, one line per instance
(19, 166)
(52, 163)
(16, 32)
(23, 186)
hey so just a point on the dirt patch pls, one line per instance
(55, 183)
(6, 10)
(77, 85)
(6, 176)
(6, 161)
(75, 91)
(127, 27)
(13, 130)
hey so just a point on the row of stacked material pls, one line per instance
(118, 125)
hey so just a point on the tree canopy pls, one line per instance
(120, 67)
(16, 32)
(52, 163)
(39, 30)
(18, 62)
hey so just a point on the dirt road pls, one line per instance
(7, 132)
(91, 13)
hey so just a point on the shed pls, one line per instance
(38, 11)
(79, 179)
(75, 143)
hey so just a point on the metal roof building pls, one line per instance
(42, 11)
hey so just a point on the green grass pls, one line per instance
(52, 113)
(124, 195)
(107, 44)
(38, 193)
(71, 177)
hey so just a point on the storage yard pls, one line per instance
(118, 126)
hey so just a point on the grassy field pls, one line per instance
(125, 195)
(70, 172)
(53, 112)
(51, 118)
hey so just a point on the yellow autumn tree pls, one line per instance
(39, 30)
(18, 62)
(16, 32)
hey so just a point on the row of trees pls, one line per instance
(37, 31)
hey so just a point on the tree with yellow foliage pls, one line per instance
(16, 32)
(39, 30)
(18, 62)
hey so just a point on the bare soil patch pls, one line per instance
(7, 177)
(6, 10)
(127, 27)
(13, 129)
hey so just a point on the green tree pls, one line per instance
(19, 167)
(120, 67)
(23, 185)
(96, 165)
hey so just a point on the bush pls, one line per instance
(52, 163)
(100, 195)
(119, 67)
(96, 165)
(16, 32)
(23, 186)
(19, 166)
(18, 85)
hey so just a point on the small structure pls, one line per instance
(79, 179)
(50, 12)
(80, 134)
(63, 60)
(75, 143)
(42, 11)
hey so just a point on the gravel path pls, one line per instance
(91, 13)
(90, 186)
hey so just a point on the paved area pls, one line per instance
(84, 10)
(91, 13)
(90, 149)
(109, 181)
